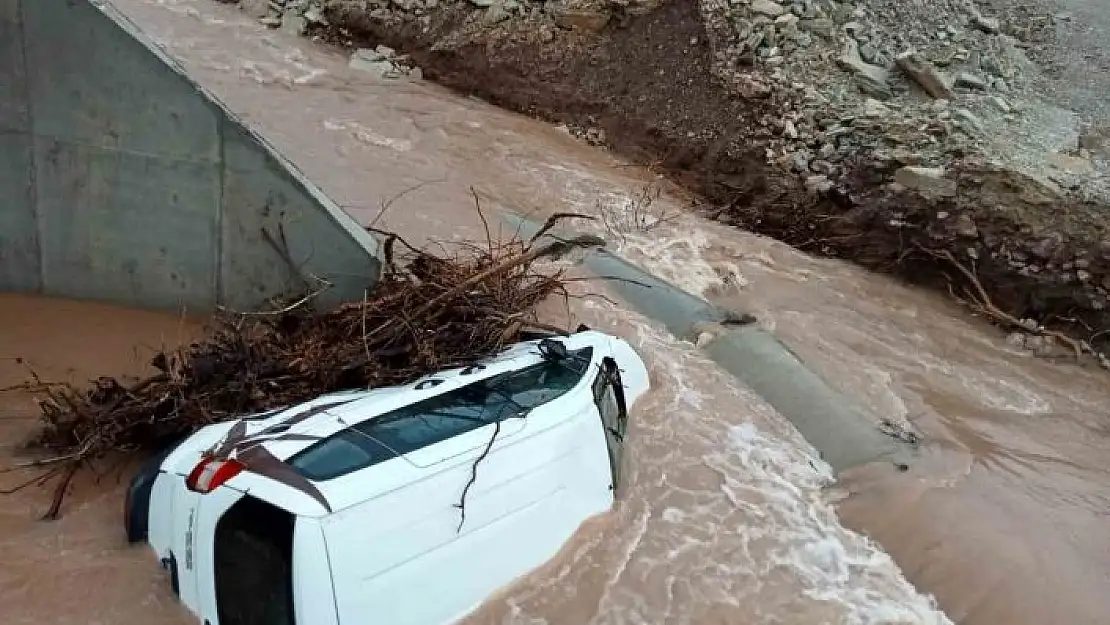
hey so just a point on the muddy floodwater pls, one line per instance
(729, 516)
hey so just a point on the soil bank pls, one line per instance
(643, 86)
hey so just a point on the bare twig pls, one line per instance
(474, 474)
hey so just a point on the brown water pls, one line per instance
(729, 517)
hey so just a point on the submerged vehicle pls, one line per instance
(405, 505)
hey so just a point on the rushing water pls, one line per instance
(729, 516)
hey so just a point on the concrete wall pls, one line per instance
(123, 181)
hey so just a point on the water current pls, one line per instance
(730, 517)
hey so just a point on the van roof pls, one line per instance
(307, 446)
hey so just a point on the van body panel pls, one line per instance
(213, 506)
(394, 526)
(313, 592)
(527, 500)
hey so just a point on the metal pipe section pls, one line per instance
(842, 432)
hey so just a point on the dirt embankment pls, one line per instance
(1015, 248)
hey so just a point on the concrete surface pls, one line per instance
(121, 180)
(839, 430)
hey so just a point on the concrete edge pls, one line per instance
(335, 212)
(841, 431)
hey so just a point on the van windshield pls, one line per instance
(436, 419)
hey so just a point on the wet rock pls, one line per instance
(375, 63)
(578, 18)
(768, 8)
(1016, 339)
(970, 81)
(924, 74)
(928, 181)
(965, 227)
(257, 9)
(482, 3)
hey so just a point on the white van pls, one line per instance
(397, 506)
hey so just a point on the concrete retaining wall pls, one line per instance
(123, 181)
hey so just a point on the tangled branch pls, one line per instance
(426, 313)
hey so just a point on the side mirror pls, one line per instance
(551, 349)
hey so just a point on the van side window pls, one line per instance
(439, 418)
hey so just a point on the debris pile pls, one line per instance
(426, 313)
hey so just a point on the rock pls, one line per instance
(827, 151)
(482, 3)
(800, 162)
(872, 79)
(1072, 164)
(823, 27)
(1001, 104)
(970, 81)
(257, 9)
(874, 108)
(314, 16)
(965, 227)
(929, 181)
(967, 119)
(988, 25)
(789, 130)
(1046, 247)
(1030, 324)
(768, 8)
(373, 62)
(577, 18)
(818, 184)
(823, 167)
(496, 14)
(924, 74)
(868, 53)
(786, 20)
(1083, 275)
(1016, 339)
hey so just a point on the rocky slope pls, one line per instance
(902, 134)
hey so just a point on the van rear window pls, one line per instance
(436, 419)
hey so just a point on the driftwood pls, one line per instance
(427, 313)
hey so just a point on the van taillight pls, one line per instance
(211, 472)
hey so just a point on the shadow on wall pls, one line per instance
(123, 181)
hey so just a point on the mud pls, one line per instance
(646, 84)
(76, 570)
